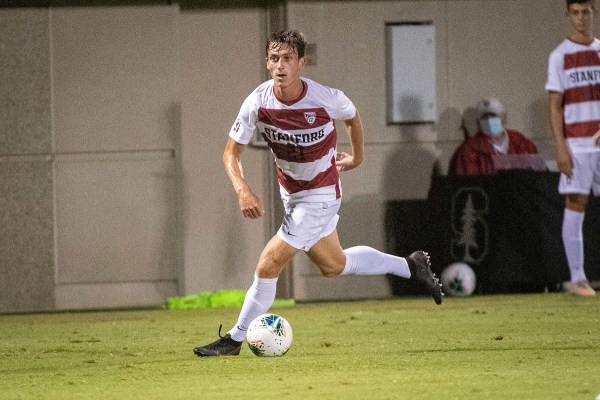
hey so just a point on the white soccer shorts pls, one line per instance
(304, 224)
(585, 175)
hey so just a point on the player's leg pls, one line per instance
(572, 237)
(259, 298)
(576, 191)
(327, 254)
(332, 260)
(572, 233)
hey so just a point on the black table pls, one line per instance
(506, 226)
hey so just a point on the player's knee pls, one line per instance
(330, 270)
(576, 202)
(268, 267)
(268, 270)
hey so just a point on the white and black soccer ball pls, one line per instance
(458, 280)
(269, 335)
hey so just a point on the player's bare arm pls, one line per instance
(345, 161)
(250, 204)
(597, 137)
(563, 156)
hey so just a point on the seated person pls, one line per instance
(475, 155)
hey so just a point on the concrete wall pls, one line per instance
(90, 134)
(116, 127)
(221, 63)
(113, 121)
(483, 48)
(26, 179)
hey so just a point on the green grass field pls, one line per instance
(542, 346)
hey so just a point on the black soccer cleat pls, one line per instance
(224, 346)
(419, 265)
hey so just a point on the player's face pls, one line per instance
(581, 16)
(285, 66)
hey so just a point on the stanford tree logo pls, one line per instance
(470, 230)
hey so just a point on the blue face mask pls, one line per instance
(492, 126)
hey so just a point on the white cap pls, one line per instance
(490, 105)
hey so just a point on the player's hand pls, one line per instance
(250, 204)
(597, 138)
(564, 160)
(345, 162)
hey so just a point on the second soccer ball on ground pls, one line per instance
(458, 280)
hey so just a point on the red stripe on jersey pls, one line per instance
(326, 178)
(580, 59)
(582, 94)
(288, 120)
(582, 129)
(300, 154)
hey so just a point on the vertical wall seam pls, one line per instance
(52, 156)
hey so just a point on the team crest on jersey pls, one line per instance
(310, 117)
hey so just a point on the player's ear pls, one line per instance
(302, 61)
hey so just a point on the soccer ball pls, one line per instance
(458, 280)
(269, 335)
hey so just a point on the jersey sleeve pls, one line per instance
(555, 72)
(343, 107)
(245, 124)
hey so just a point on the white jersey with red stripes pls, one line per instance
(301, 134)
(574, 71)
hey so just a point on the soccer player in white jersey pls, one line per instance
(295, 115)
(574, 90)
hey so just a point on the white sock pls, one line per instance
(363, 260)
(572, 236)
(258, 300)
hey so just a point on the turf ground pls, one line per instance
(542, 346)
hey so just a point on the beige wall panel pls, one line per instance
(114, 77)
(25, 124)
(222, 62)
(113, 295)
(26, 235)
(317, 288)
(26, 203)
(350, 39)
(116, 218)
(501, 49)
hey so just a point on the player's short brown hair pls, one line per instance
(592, 2)
(292, 38)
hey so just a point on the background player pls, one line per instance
(296, 118)
(574, 90)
